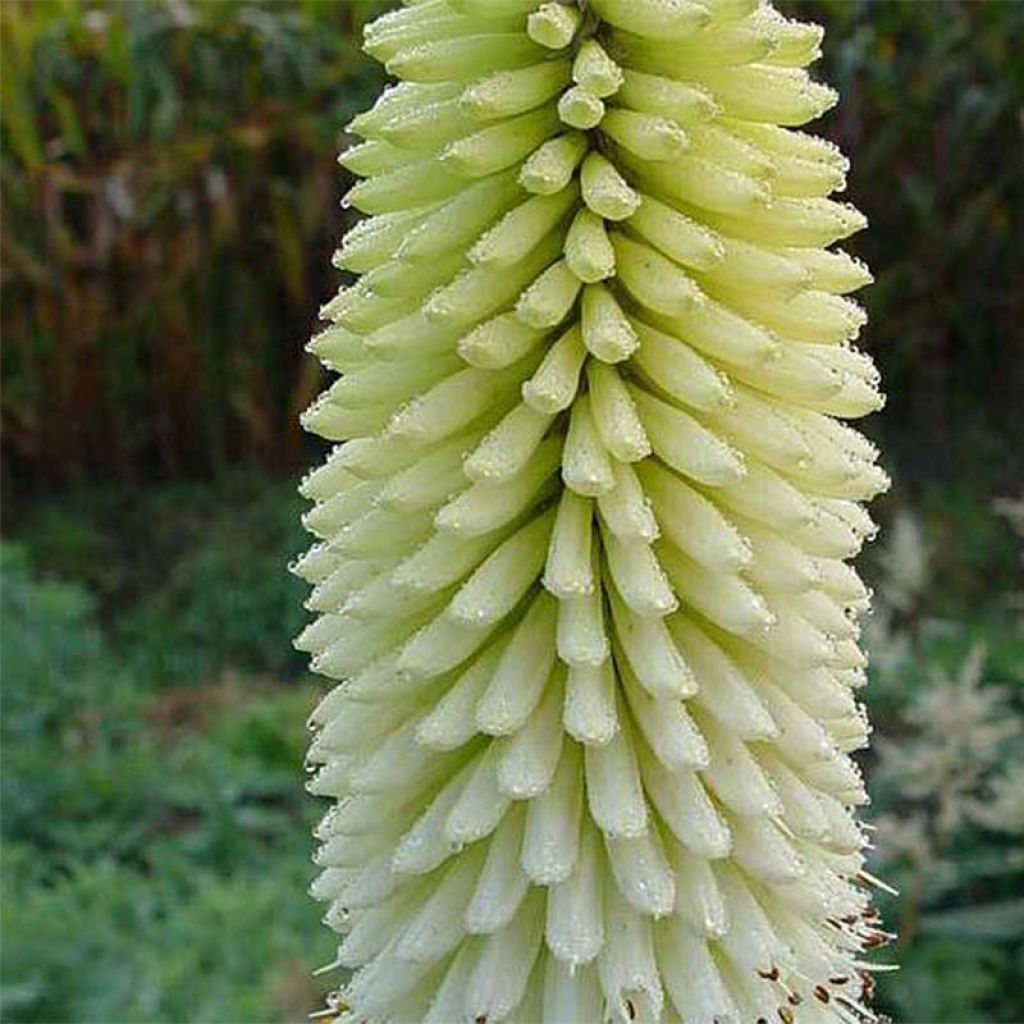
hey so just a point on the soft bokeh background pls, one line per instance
(169, 211)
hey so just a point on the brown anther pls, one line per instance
(482, 1019)
(821, 994)
(838, 980)
(795, 998)
(630, 1009)
(770, 975)
(786, 1015)
(873, 941)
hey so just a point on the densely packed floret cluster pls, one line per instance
(581, 572)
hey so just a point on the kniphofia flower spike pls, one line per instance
(581, 575)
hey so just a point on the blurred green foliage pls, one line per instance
(947, 769)
(169, 206)
(190, 580)
(155, 849)
(948, 803)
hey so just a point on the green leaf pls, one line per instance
(989, 921)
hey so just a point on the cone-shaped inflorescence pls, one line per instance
(581, 574)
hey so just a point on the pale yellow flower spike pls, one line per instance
(580, 572)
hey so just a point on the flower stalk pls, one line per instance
(582, 577)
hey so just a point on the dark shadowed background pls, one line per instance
(170, 205)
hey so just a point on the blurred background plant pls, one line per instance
(169, 200)
(169, 208)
